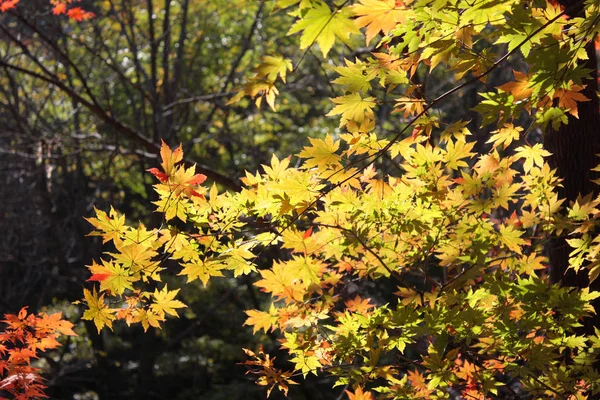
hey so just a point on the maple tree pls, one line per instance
(459, 234)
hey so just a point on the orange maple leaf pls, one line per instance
(568, 98)
(379, 16)
(59, 9)
(361, 306)
(8, 5)
(360, 395)
(520, 88)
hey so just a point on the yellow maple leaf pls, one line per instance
(135, 257)
(273, 66)
(97, 310)
(320, 25)
(202, 269)
(379, 16)
(261, 319)
(352, 107)
(111, 226)
(112, 276)
(148, 318)
(505, 135)
(410, 106)
(321, 153)
(306, 362)
(165, 303)
(511, 238)
(282, 282)
(532, 155)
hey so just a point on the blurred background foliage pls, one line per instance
(83, 109)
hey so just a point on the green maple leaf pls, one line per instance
(355, 76)
(322, 26)
(306, 363)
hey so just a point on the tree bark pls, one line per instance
(575, 148)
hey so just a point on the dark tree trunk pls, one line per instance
(575, 148)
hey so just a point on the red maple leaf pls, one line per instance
(79, 14)
(160, 175)
(98, 277)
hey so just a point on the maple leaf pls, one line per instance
(7, 5)
(277, 168)
(165, 303)
(532, 155)
(112, 276)
(308, 269)
(359, 305)
(136, 257)
(505, 135)
(355, 76)
(54, 322)
(568, 98)
(112, 226)
(352, 107)
(79, 14)
(97, 310)
(184, 180)
(379, 16)
(59, 9)
(306, 363)
(511, 238)
(531, 263)
(273, 66)
(268, 375)
(169, 159)
(410, 106)
(456, 152)
(520, 89)
(359, 394)
(261, 320)
(282, 282)
(148, 318)
(321, 153)
(203, 269)
(322, 26)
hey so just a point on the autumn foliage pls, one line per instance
(24, 338)
(59, 7)
(453, 237)
(411, 265)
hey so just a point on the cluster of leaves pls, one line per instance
(459, 235)
(24, 338)
(59, 7)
